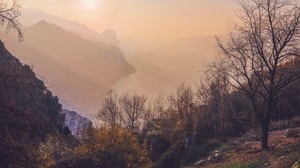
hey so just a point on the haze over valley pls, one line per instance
(80, 64)
(78, 70)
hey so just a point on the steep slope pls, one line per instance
(28, 112)
(33, 16)
(78, 70)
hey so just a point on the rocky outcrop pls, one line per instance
(200, 163)
(76, 123)
(28, 112)
(109, 37)
(292, 132)
(296, 164)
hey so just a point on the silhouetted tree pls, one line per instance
(109, 111)
(257, 50)
(9, 14)
(175, 114)
(133, 108)
(213, 93)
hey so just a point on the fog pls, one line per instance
(168, 43)
(162, 66)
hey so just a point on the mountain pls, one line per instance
(28, 112)
(78, 70)
(109, 37)
(76, 122)
(33, 16)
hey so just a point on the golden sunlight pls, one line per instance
(89, 4)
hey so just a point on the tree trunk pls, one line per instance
(265, 135)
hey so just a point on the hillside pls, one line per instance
(78, 70)
(246, 153)
(28, 112)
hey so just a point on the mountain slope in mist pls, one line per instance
(78, 70)
(33, 16)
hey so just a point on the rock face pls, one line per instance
(28, 112)
(76, 122)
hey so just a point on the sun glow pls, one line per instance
(89, 4)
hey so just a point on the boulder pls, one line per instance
(216, 156)
(292, 132)
(200, 163)
(296, 164)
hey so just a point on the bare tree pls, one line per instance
(259, 54)
(213, 93)
(9, 14)
(133, 108)
(176, 114)
(109, 111)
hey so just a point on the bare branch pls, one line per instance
(9, 13)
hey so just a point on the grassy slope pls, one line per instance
(283, 153)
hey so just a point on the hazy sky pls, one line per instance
(145, 18)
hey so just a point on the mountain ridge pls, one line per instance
(73, 66)
(33, 16)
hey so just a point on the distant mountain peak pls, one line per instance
(110, 37)
(109, 32)
(42, 24)
(33, 16)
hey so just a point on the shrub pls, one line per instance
(113, 147)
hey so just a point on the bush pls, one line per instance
(55, 149)
(113, 147)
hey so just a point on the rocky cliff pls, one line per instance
(76, 123)
(28, 112)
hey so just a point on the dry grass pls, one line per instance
(283, 153)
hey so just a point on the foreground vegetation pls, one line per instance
(283, 152)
